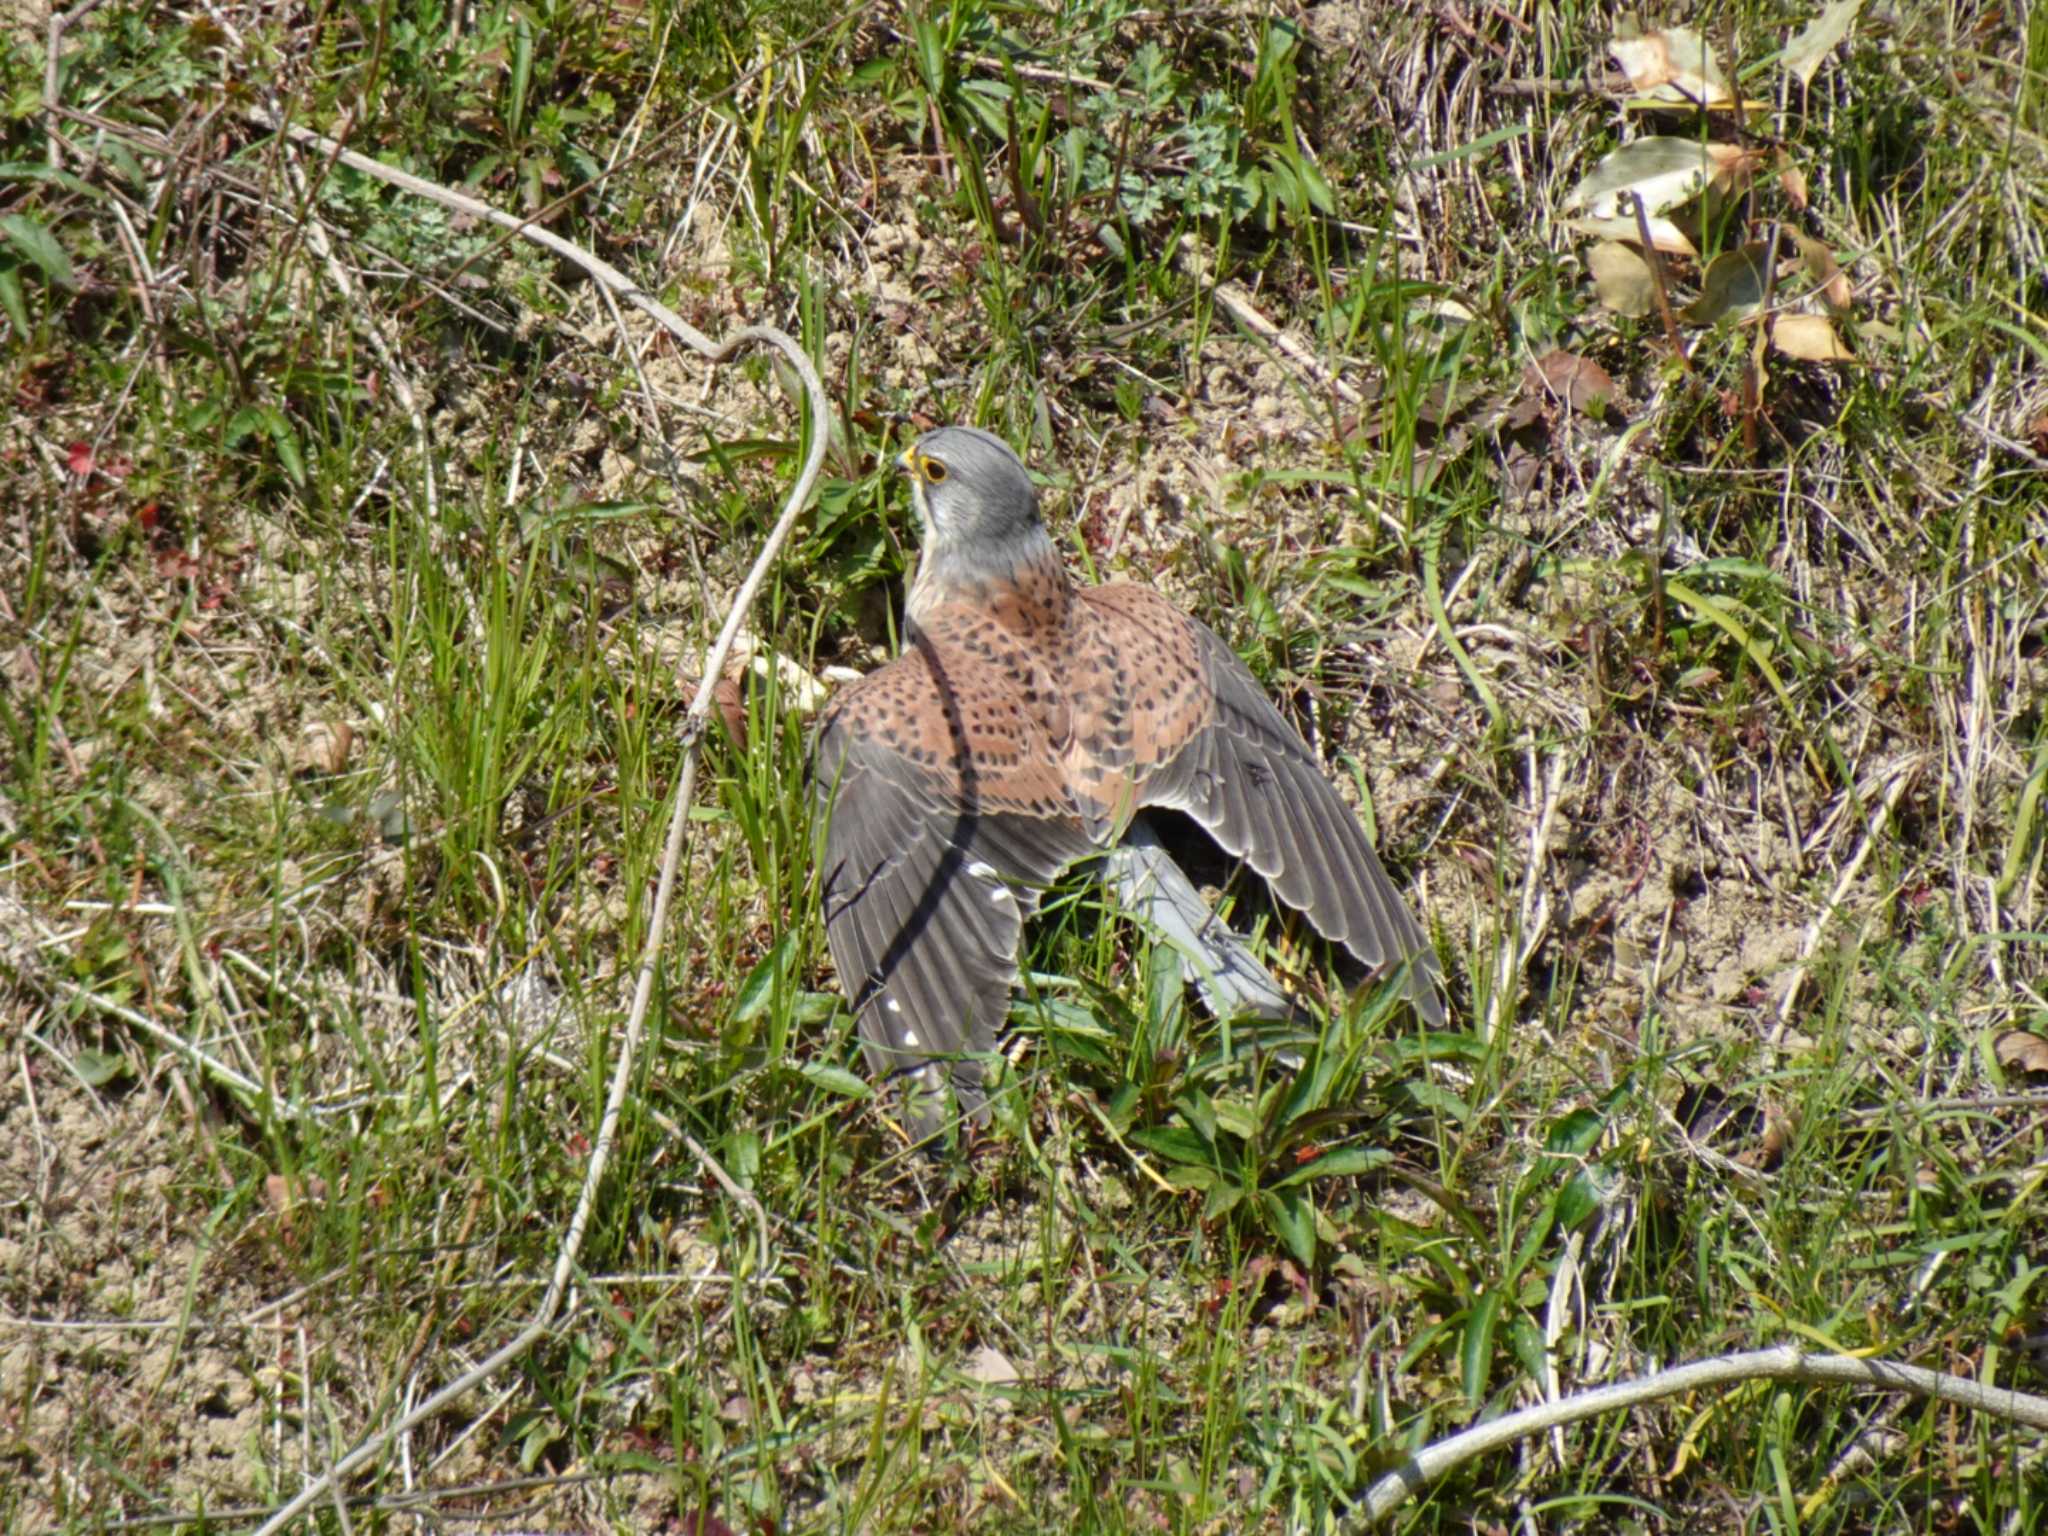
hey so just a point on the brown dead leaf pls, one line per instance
(1830, 282)
(733, 708)
(1761, 1132)
(2037, 432)
(728, 704)
(1671, 64)
(1582, 384)
(1522, 469)
(1622, 279)
(1661, 171)
(1733, 284)
(1665, 236)
(991, 1367)
(1805, 54)
(284, 1196)
(322, 748)
(1770, 1148)
(2022, 1051)
(1809, 339)
(1793, 181)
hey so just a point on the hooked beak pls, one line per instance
(907, 462)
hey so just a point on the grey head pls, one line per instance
(970, 490)
(980, 515)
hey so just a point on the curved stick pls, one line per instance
(1785, 1363)
(374, 1444)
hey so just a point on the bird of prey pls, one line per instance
(1025, 724)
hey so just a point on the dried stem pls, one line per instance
(1785, 1363)
(619, 284)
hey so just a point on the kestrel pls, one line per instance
(1025, 724)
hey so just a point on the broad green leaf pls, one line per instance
(1344, 1160)
(1293, 1220)
(1580, 1198)
(836, 1080)
(32, 237)
(1526, 1340)
(743, 1157)
(1475, 1349)
(1237, 1118)
(96, 1069)
(1225, 1195)
(1199, 1113)
(11, 298)
(759, 987)
(286, 443)
(1176, 1142)
(1436, 1096)
(1575, 1133)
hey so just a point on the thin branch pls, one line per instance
(374, 1445)
(1785, 1363)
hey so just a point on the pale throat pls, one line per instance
(1021, 584)
(1014, 577)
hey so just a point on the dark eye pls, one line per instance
(934, 471)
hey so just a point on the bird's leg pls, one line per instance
(1150, 886)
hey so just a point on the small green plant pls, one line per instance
(1260, 1113)
(1126, 143)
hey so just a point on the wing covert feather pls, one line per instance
(1225, 755)
(933, 860)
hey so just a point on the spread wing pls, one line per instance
(1210, 743)
(946, 818)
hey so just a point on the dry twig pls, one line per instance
(617, 283)
(1787, 1362)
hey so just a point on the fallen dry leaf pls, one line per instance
(1671, 64)
(1622, 279)
(1793, 180)
(1830, 282)
(1579, 382)
(1805, 54)
(1665, 236)
(732, 708)
(1809, 339)
(728, 702)
(284, 1196)
(1733, 284)
(1769, 1150)
(1665, 172)
(322, 748)
(2021, 1050)
(991, 1367)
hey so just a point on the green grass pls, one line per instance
(1656, 706)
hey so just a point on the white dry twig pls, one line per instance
(1902, 776)
(374, 1444)
(1787, 1362)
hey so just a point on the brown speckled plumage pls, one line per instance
(1024, 725)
